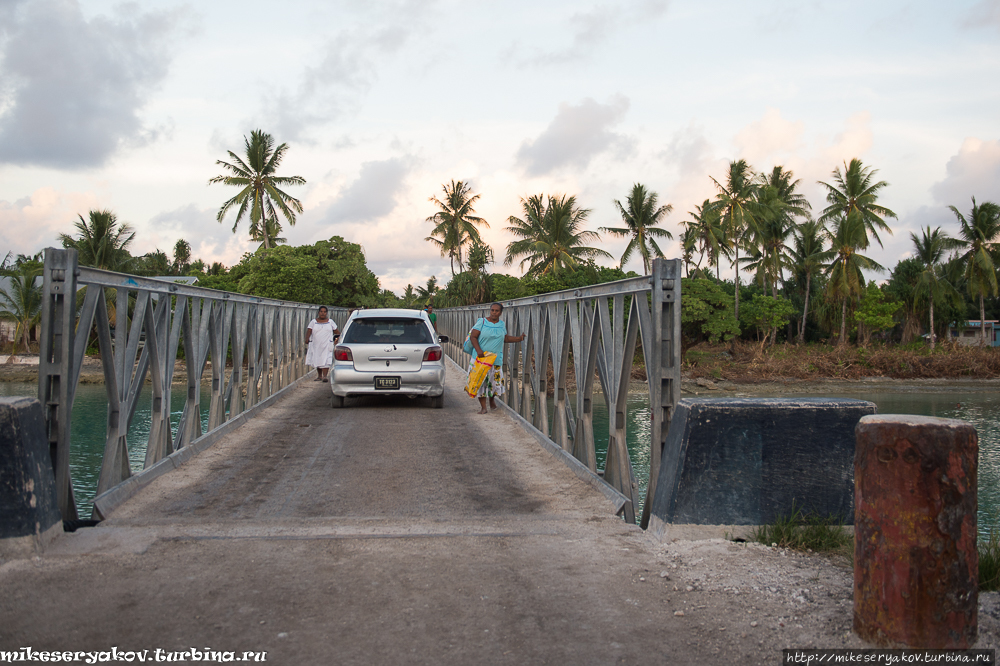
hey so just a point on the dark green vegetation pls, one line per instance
(989, 561)
(807, 275)
(806, 532)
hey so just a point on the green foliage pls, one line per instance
(876, 310)
(101, 242)
(989, 561)
(765, 313)
(706, 311)
(506, 287)
(259, 188)
(805, 532)
(329, 272)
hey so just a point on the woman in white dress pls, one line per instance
(320, 336)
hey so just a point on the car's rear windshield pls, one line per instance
(391, 330)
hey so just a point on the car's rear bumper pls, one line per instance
(346, 381)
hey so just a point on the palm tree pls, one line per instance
(426, 294)
(182, 256)
(551, 239)
(21, 300)
(455, 224)
(712, 240)
(738, 209)
(847, 235)
(978, 233)
(689, 244)
(780, 204)
(808, 256)
(102, 242)
(931, 284)
(641, 218)
(854, 192)
(259, 187)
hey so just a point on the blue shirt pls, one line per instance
(491, 337)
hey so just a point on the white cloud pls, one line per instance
(371, 196)
(984, 13)
(33, 223)
(348, 66)
(770, 138)
(575, 136)
(73, 88)
(973, 172)
(589, 30)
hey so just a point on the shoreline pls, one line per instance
(702, 387)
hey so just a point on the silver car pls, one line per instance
(388, 352)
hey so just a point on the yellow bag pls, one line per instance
(480, 371)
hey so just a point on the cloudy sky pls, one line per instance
(128, 106)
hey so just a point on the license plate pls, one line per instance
(383, 383)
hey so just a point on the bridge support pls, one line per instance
(29, 512)
(916, 566)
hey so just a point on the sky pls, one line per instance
(127, 107)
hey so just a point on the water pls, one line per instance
(981, 409)
(90, 413)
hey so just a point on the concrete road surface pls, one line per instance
(386, 532)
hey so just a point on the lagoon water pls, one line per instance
(90, 414)
(981, 409)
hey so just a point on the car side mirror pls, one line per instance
(442, 339)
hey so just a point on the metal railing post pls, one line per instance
(664, 368)
(56, 386)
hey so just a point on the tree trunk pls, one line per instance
(805, 312)
(843, 323)
(982, 321)
(932, 322)
(736, 265)
(774, 329)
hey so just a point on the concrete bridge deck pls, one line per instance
(383, 533)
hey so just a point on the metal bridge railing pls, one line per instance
(592, 329)
(152, 319)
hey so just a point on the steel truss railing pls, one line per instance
(595, 330)
(152, 319)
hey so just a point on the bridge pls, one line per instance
(291, 532)
(382, 533)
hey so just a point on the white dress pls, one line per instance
(320, 354)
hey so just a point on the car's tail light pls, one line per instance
(342, 354)
(433, 354)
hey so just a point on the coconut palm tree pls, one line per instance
(738, 209)
(809, 255)
(641, 218)
(689, 245)
(259, 188)
(978, 235)
(427, 293)
(931, 247)
(855, 192)
(455, 224)
(182, 256)
(551, 238)
(847, 235)
(102, 242)
(711, 235)
(21, 300)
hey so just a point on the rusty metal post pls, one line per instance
(916, 566)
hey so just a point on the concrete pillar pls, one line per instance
(916, 566)
(29, 511)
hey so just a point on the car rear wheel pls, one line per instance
(437, 401)
(338, 402)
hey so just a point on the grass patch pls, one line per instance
(806, 532)
(989, 562)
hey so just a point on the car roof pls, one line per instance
(381, 313)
